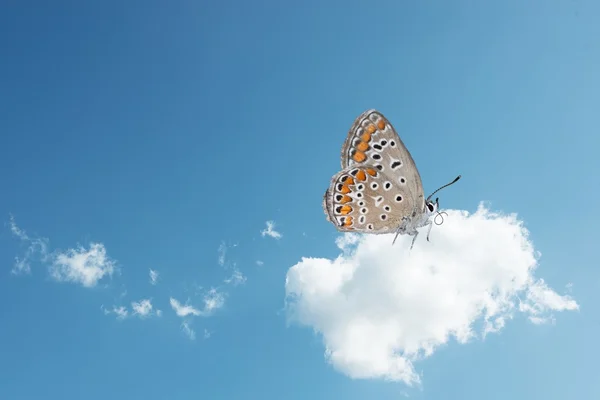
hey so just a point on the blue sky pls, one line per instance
(155, 136)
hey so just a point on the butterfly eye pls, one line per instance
(430, 206)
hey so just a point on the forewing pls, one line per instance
(365, 200)
(373, 140)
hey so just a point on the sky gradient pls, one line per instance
(162, 169)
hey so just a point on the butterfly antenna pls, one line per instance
(446, 185)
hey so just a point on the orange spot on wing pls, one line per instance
(381, 124)
(345, 189)
(366, 137)
(346, 209)
(359, 156)
(349, 181)
(360, 175)
(345, 199)
(362, 146)
(371, 172)
(370, 129)
(348, 221)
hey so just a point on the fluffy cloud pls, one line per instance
(380, 308)
(270, 231)
(143, 308)
(82, 266)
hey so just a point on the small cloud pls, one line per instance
(183, 310)
(270, 231)
(207, 334)
(379, 308)
(35, 246)
(143, 308)
(153, 277)
(187, 329)
(237, 278)
(82, 266)
(121, 312)
(259, 263)
(213, 300)
(222, 250)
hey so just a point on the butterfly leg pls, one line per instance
(429, 230)
(414, 234)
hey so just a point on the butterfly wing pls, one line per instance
(365, 200)
(373, 140)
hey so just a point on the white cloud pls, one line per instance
(380, 308)
(213, 300)
(82, 266)
(222, 250)
(237, 278)
(207, 334)
(260, 263)
(183, 310)
(143, 308)
(153, 276)
(187, 329)
(121, 312)
(35, 246)
(270, 231)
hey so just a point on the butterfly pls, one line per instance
(379, 188)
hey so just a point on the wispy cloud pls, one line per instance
(121, 312)
(183, 310)
(187, 329)
(236, 278)
(141, 309)
(35, 246)
(213, 300)
(259, 263)
(380, 308)
(82, 266)
(153, 277)
(270, 231)
(222, 250)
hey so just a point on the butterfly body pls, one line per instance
(379, 188)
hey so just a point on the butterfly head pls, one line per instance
(431, 207)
